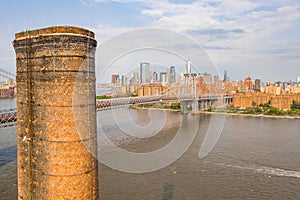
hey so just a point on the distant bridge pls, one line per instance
(7, 84)
(5, 75)
(9, 117)
(119, 102)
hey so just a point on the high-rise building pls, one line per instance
(257, 85)
(123, 80)
(298, 79)
(172, 75)
(181, 78)
(225, 76)
(207, 78)
(154, 77)
(248, 83)
(242, 87)
(163, 77)
(115, 79)
(144, 72)
(216, 78)
(188, 67)
(135, 79)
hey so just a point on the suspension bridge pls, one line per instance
(7, 84)
(8, 117)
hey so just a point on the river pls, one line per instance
(254, 158)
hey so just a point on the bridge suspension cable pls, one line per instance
(5, 75)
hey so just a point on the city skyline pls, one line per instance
(256, 39)
(158, 72)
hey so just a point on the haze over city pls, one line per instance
(259, 39)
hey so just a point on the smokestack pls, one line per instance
(56, 114)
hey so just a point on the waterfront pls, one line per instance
(255, 158)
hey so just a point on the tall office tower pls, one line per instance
(135, 78)
(144, 72)
(216, 78)
(207, 78)
(154, 77)
(115, 79)
(188, 67)
(181, 78)
(150, 76)
(172, 75)
(248, 83)
(298, 79)
(284, 85)
(257, 85)
(123, 80)
(225, 76)
(163, 77)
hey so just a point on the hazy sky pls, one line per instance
(256, 38)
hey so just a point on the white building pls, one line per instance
(144, 72)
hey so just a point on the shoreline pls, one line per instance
(166, 109)
(252, 115)
(225, 113)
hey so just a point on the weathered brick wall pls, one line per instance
(242, 101)
(245, 100)
(282, 102)
(261, 98)
(296, 97)
(151, 89)
(278, 101)
(56, 111)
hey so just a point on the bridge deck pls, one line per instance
(9, 117)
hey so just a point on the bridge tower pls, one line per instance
(56, 114)
(184, 104)
(190, 77)
(195, 103)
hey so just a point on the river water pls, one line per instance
(254, 158)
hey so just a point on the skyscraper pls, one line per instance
(207, 78)
(115, 79)
(163, 78)
(135, 79)
(257, 85)
(298, 79)
(144, 72)
(216, 78)
(225, 76)
(188, 68)
(248, 83)
(154, 77)
(172, 75)
(123, 80)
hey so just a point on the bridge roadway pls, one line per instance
(9, 117)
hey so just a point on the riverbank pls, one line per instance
(251, 115)
(147, 108)
(223, 113)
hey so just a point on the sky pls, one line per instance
(256, 38)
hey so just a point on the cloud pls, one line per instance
(217, 48)
(245, 27)
(104, 31)
(126, 1)
(83, 2)
(217, 31)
